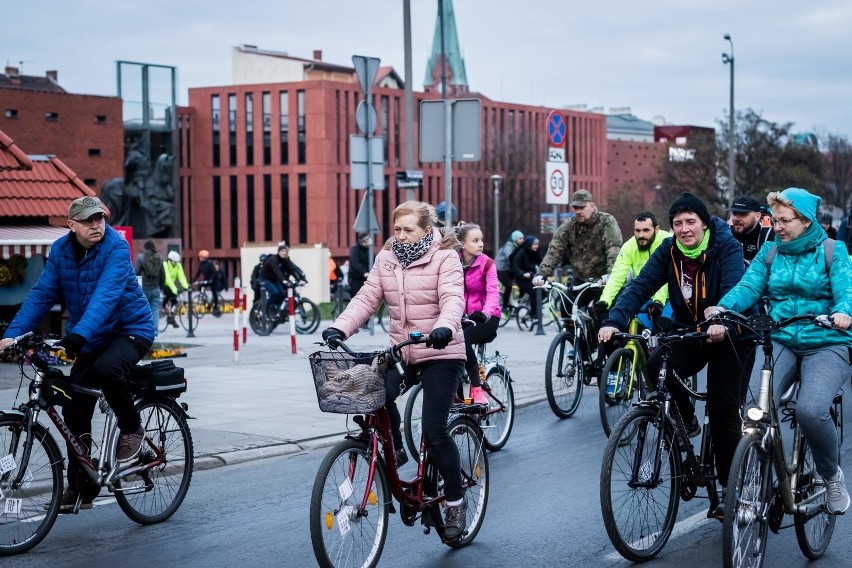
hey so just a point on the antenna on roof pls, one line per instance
(21, 65)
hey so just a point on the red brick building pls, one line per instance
(84, 131)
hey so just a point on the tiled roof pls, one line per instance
(29, 83)
(12, 157)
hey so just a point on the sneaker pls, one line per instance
(611, 394)
(455, 521)
(837, 501)
(401, 457)
(478, 395)
(129, 445)
(694, 429)
(69, 500)
(173, 322)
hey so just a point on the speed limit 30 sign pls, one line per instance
(557, 183)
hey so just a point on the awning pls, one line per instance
(28, 240)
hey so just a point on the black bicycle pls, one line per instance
(265, 316)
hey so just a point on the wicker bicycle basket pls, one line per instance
(348, 384)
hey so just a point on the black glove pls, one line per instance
(478, 317)
(601, 308)
(332, 335)
(655, 310)
(440, 337)
(72, 344)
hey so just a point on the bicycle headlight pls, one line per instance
(754, 413)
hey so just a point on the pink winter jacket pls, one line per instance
(481, 292)
(427, 294)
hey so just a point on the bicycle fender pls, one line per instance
(503, 370)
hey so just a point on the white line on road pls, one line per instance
(685, 526)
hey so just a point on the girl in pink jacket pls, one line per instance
(419, 276)
(482, 301)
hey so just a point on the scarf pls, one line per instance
(695, 252)
(808, 240)
(406, 253)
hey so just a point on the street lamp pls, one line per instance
(495, 179)
(729, 59)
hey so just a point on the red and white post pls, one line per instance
(237, 304)
(291, 310)
(244, 312)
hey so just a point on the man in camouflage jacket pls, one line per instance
(591, 236)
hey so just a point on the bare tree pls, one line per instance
(691, 169)
(838, 171)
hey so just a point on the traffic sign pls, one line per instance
(358, 162)
(556, 154)
(466, 125)
(363, 223)
(556, 129)
(365, 117)
(366, 69)
(557, 183)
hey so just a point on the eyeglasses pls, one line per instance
(93, 220)
(784, 222)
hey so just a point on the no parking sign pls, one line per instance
(557, 183)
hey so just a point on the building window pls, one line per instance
(249, 129)
(285, 127)
(214, 107)
(337, 121)
(232, 130)
(90, 182)
(285, 206)
(217, 212)
(51, 116)
(11, 113)
(303, 208)
(267, 129)
(235, 212)
(250, 207)
(267, 207)
(385, 127)
(396, 116)
(100, 119)
(301, 154)
(94, 151)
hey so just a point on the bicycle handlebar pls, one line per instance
(16, 340)
(393, 351)
(764, 325)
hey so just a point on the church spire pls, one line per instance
(453, 62)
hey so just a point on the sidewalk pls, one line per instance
(265, 404)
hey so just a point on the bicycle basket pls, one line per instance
(348, 384)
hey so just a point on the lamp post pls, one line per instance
(732, 154)
(495, 179)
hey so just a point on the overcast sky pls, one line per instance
(793, 58)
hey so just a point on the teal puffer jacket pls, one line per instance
(798, 284)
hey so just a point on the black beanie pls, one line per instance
(689, 202)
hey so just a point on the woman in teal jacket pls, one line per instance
(797, 282)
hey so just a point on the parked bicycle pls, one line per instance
(649, 463)
(150, 489)
(496, 422)
(351, 497)
(265, 316)
(574, 356)
(768, 479)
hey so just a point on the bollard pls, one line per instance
(244, 312)
(189, 312)
(539, 330)
(237, 303)
(291, 312)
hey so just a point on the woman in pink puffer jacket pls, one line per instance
(419, 276)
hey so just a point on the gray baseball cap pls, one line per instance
(84, 207)
(581, 198)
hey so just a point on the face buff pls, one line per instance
(406, 253)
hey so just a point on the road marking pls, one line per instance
(685, 526)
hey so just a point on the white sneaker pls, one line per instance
(837, 501)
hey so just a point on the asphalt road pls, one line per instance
(543, 511)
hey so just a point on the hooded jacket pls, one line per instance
(720, 268)
(481, 292)
(426, 295)
(101, 293)
(525, 259)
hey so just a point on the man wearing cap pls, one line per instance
(110, 326)
(205, 273)
(504, 265)
(279, 269)
(746, 226)
(591, 236)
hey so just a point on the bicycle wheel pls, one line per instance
(163, 322)
(259, 324)
(383, 318)
(474, 469)
(349, 519)
(184, 316)
(524, 318)
(812, 531)
(627, 377)
(40, 490)
(497, 427)
(202, 304)
(413, 414)
(307, 316)
(563, 375)
(749, 496)
(639, 505)
(153, 495)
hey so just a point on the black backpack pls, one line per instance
(152, 265)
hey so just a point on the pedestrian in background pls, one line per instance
(219, 285)
(525, 262)
(504, 266)
(359, 263)
(149, 266)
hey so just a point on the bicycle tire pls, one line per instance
(613, 408)
(748, 496)
(163, 319)
(563, 378)
(497, 427)
(507, 315)
(258, 323)
(630, 529)
(157, 495)
(413, 414)
(467, 436)
(183, 315)
(524, 318)
(39, 506)
(813, 534)
(382, 317)
(307, 316)
(334, 547)
(202, 304)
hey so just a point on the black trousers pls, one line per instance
(474, 335)
(505, 278)
(440, 379)
(728, 369)
(105, 371)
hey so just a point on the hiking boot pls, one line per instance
(694, 428)
(69, 500)
(455, 521)
(129, 445)
(837, 501)
(172, 322)
(478, 395)
(401, 457)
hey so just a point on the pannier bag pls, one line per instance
(162, 378)
(55, 388)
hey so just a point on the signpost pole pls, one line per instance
(448, 129)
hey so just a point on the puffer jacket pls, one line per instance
(427, 294)
(481, 292)
(798, 284)
(101, 293)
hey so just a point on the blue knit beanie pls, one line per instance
(804, 202)
(516, 235)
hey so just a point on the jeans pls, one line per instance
(274, 290)
(726, 387)
(823, 372)
(153, 297)
(106, 371)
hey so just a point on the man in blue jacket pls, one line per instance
(110, 327)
